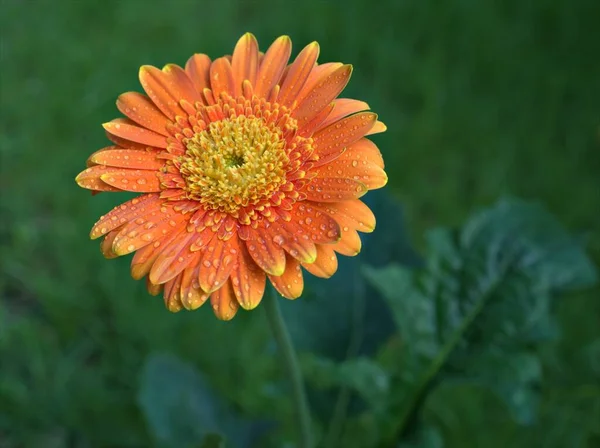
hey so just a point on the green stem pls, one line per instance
(280, 332)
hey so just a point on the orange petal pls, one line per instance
(316, 122)
(128, 144)
(366, 150)
(174, 258)
(153, 289)
(149, 228)
(355, 167)
(90, 179)
(221, 77)
(318, 73)
(192, 297)
(217, 262)
(248, 280)
(143, 260)
(334, 189)
(224, 302)
(344, 107)
(378, 128)
(140, 109)
(182, 84)
(289, 284)
(172, 294)
(107, 243)
(329, 86)
(331, 141)
(287, 235)
(353, 214)
(317, 225)
(127, 158)
(125, 212)
(163, 90)
(326, 263)
(349, 244)
(128, 130)
(244, 62)
(273, 65)
(298, 73)
(197, 68)
(268, 255)
(139, 181)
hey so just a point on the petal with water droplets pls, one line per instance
(128, 130)
(268, 255)
(217, 262)
(198, 69)
(127, 158)
(221, 77)
(298, 73)
(224, 303)
(244, 62)
(272, 66)
(333, 189)
(90, 179)
(142, 110)
(326, 89)
(124, 213)
(342, 107)
(332, 141)
(139, 181)
(248, 280)
(326, 263)
(289, 284)
(173, 259)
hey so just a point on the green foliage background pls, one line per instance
(482, 99)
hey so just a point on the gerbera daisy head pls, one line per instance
(247, 167)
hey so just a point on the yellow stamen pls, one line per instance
(234, 163)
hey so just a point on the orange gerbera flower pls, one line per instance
(247, 167)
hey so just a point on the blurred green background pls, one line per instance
(481, 99)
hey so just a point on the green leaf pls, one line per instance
(183, 411)
(482, 300)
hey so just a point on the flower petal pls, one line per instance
(327, 88)
(164, 90)
(139, 181)
(331, 141)
(334, 189)
(268, 255)
(121, 214)
(198, 68)
(344, 107)
(289, 284)
(127, 158)
(184, 86)
(221, 77)
(349, 244)
(353, 165)
(128, 130)
(90, 179)
(244, 62)
(172, 294)
(273, 65)
(224, 302)
(192, 297)
(287, 236)
(365, 149)
(149, 228)
(354, 214)
(153, 289)
(248, 280)
(175, 257)
(326, 263)
(140, 109)
(314, 224)
(378, 128)
(107, 243)
(217, 262)
(298, 73)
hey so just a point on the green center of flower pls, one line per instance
(234, 163)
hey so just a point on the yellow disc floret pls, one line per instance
(234, 163)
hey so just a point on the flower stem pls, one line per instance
(286, 348)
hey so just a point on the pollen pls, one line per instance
(234, 163)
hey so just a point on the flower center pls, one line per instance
(234, 163)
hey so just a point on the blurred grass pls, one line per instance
(480, 99)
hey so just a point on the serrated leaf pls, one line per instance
(483, 298)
